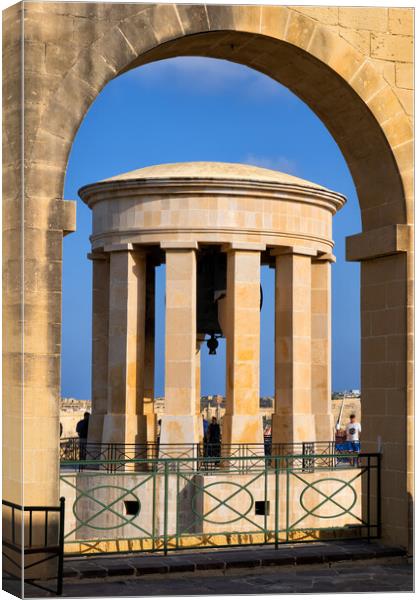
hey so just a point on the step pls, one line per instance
(225, 560)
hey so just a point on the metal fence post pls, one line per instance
(165, 512)
(379, 496)
(61, 548)
(287, 499)
(368, 497)
(276, 517)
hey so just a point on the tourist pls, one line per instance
(267, 440)
(353, 431)
(158, 431)
(214, 439)
(82, 431)
(205, 431)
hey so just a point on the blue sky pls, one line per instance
(187, 109)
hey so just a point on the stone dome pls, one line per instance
(213, 170)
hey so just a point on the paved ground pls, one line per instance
(349, 578)
(321, 567)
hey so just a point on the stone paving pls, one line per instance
(332, 567)
(225, 559)
(322, 579)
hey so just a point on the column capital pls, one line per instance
(118, 248)
(300, 250)
(98, 256)
(325, 257)
(111, 248)
(179, 245)
(244, 246)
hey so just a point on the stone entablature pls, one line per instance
(211, 203)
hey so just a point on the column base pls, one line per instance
(243, 429)
(291, 429)
(324, 428)
(180, 435)
(124, 429)
(96, 426)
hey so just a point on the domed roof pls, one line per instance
(213, 170)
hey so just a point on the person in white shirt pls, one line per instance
(353, 431)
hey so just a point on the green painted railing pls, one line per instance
(170, 504)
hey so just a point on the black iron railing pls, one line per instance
(76, 454)
(31, 537)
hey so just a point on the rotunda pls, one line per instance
(213, 225)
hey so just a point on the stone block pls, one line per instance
(41, 29)
(406, 97)
(327, 15)
(375, 243)
(242, 428)
(367, 81)
(401, 20)
(373, 19)
(359, 39)
(387, 68)
(404, 155)
(193, 17)
(392, 47)
(398, 130)
(299, 30)
(179, 429)
(335, 52)
(405, 75)
(273, 20)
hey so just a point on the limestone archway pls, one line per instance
(70, 56)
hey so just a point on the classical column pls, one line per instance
(100, 314)
(149, 354)
(321, 347)
(198, 344)
(181, 421)
(293, 420)
(242, 422)
(125, 421)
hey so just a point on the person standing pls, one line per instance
(267, 440)
(205, 436)
(214, 439)
(353, 430)
(82, 428)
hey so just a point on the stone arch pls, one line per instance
(342, 85)
(365, 116)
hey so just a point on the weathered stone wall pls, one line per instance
(352, 66)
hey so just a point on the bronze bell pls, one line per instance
(212, 344)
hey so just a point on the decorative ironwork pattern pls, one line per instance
(179, 503)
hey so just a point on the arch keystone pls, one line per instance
(274, 21)
(194, 18)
